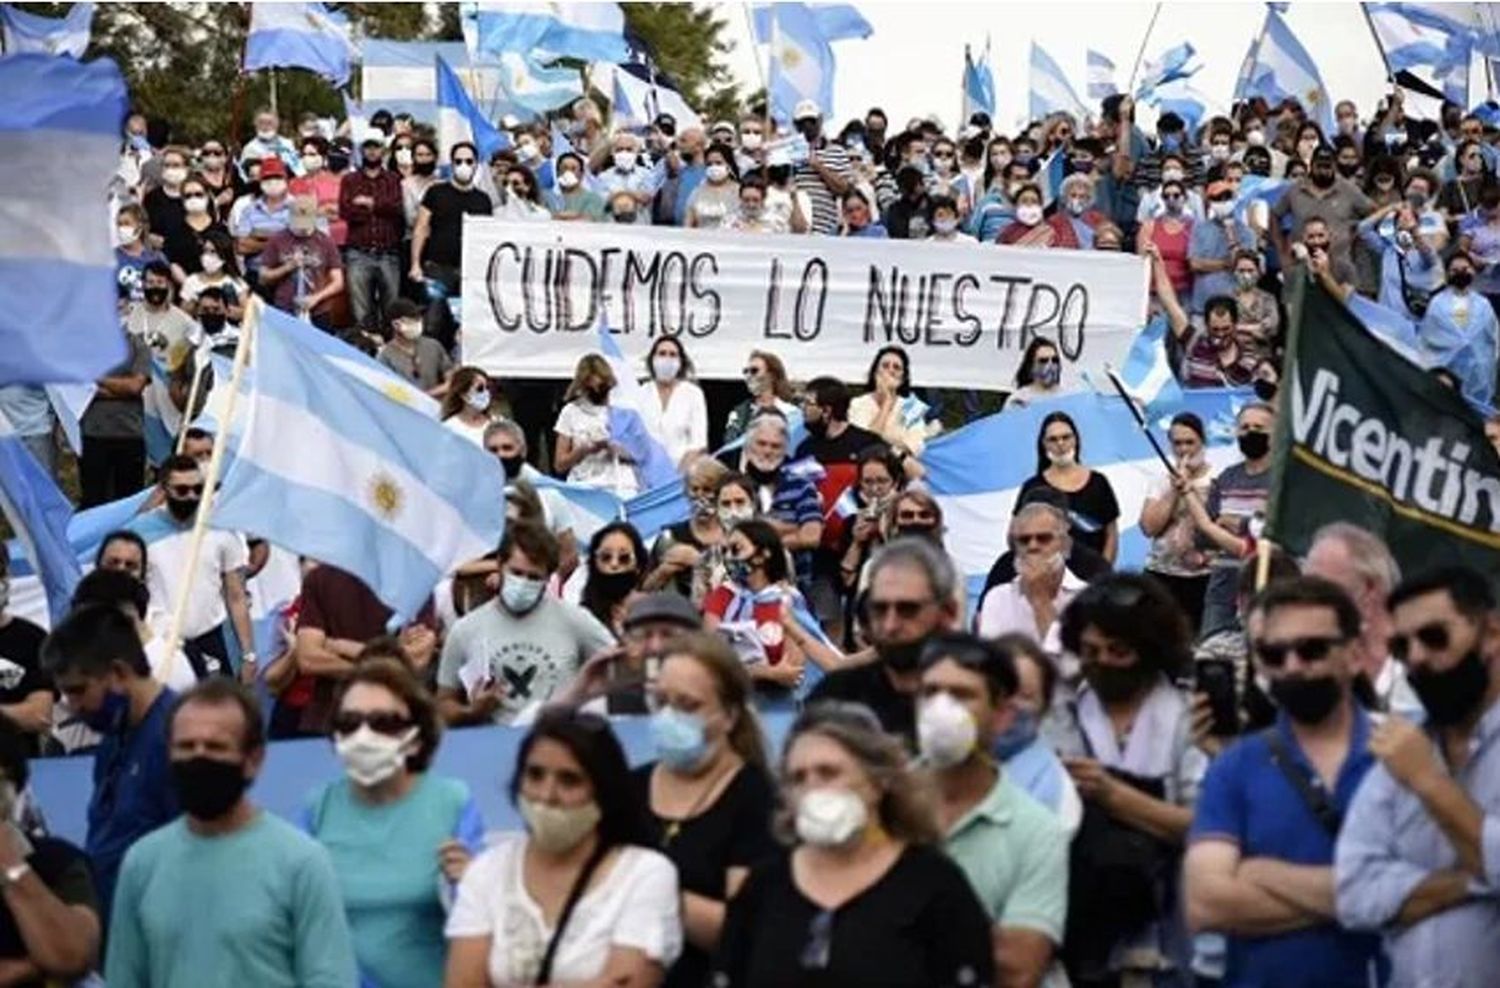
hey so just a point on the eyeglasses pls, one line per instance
(908, 517)
(387, 722)
(185, 490)
(1434, 637)
(906, 610)
(751, 371)
(465, 161)
(615, 559)
(1312, 648)
(1043, 539)
(818, 951)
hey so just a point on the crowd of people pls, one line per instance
(1232, 768)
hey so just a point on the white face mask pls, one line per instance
(666, 368)
(830, 817)
(211, 263)
(275, 188)
(1255, 138)
(624, 160)
(403, 156)
(369, 757)
(1219, 152)
(730, 517)
(945, 226)
(174, 175)
(751, 142)
(567, 180)
(1171, 174)
(463, 174)
(410, 329)
(195, 204)
(1221, 210)
(312, 162)
(716, 173)
(527, 152)
(267, 134)
(558, 829)
(519, 594)
(1029, 215)
(478, 399)
(946, 733)
(1062, 459)
(126, 235)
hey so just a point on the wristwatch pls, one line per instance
(13, 874)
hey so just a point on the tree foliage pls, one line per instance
(181, 60)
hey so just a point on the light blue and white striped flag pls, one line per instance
(36, 35)
(800, 37)
(1147, 374)
(39, 514)
(1101, 75)
(1173, 64)
(979, 84)
(299, 35)
(1283, 69)
(626, 427)
(59, 134)
(1050, 90)
(330, 469)
(589, 32)
(459, 119)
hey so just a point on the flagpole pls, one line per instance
(211, 478)
(274, 107)
(1140, 419)
(200, 364)
(1370, 23)
(763, 70)
(1141, 53)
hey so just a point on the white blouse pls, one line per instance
(681, 424)
(473, 433)
(584, 423)
(635, 904)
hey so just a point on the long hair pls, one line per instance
(594, 599)
(685, 372)
(223, 246)
(781, 387)
(1042, 462)
(1026, 373)
(589, 365)
(904, 388)
(908, 804)
(589, 739)
(734, 689)
(462, 383)
(764, 540)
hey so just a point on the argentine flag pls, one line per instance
(626, 427)
(1101, 75)
(1050, 90)
(802, 61)
(1147, 374)
(330, 469)
(589, 32)
(1283, 69)
(59, 137)
(39, 514)
(460, 120)
(979, 85)
(35, 35)
(299, 35)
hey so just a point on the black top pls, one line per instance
(843, 449)
(21, 672)
(448, 205)
(1091, 509)
(733, 832)
(869, 684)
(65, 871)
(919, 926)
(678, 534)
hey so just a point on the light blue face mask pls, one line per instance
(680, 738)
(1018, 736)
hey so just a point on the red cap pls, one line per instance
(272, 167)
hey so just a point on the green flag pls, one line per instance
(1365, 436)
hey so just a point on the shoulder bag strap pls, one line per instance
(544, 973)
(1316, 797)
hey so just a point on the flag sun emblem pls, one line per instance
(385, 496)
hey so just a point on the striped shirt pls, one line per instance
(825, 215)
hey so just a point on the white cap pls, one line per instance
(807, 109)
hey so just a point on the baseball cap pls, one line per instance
(1219, 188)
(807, 110)
(272, 167)
(667, 607)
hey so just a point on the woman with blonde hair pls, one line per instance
(466, 408)
(708, 793)
(769, 387)
(865, 895)
(585, 455)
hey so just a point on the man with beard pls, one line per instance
(217, 605)
(785, 498)
(1419, 856)
(911, 598)
(1327, 196)
(1259, 867)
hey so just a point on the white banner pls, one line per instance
(533, 294)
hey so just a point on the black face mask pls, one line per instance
(928, 532)
(212, 322)
(1348, 169)
(512, 466)
(1451, 695)
(597, 395)
(207, 788)
(155, 296)
(1254, 445)
(1322, 180)
(902, 657)
(615, 586)
(809, 129)
(1116, 684)
(779, 174)
(182, 508)
(1265, 390)
(374, 164)
(1461, 279)
(424, 168)
(1306, 699)
(1258, 167)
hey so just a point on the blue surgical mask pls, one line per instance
(1171, 142)
(680, 738)
(521, 595)
(1018, 736)
(110, 717)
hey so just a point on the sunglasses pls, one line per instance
(1313, 648)
(1046, 361)
(914, 516)
(465, 161)
(1434, 637)
(1035, 538)
(614, 559)
(387, 722)
(906, 610)
(185, 490)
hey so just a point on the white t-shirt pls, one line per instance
(473, 433)
(635, 904)
(585, 423)
(682, 424)
(221, 553)
(1005, 609)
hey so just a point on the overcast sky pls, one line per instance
(912, 64)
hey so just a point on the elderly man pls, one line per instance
(614, 681)
(627, 172)
(1031, 603)
(1418, 858)
(684, 173)
(786, 499)
(302, 266)
(1361, 565)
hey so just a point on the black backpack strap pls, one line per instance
(544, 973)
(1315, 796)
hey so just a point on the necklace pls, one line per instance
(673, 827)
